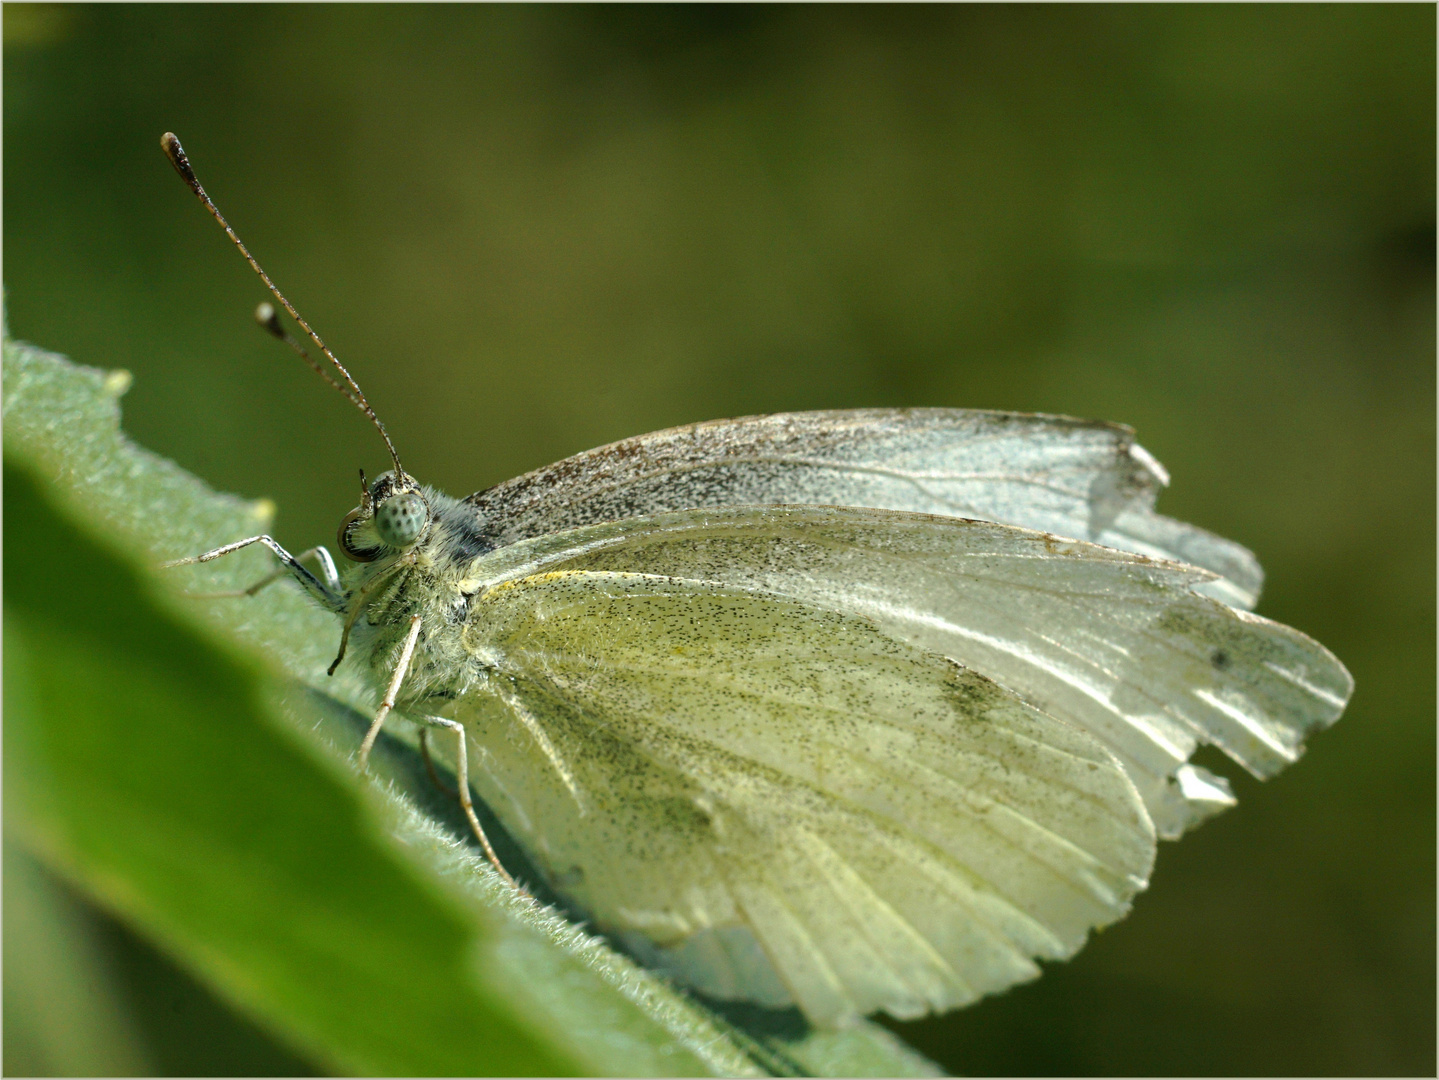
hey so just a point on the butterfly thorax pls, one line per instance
(435, 578)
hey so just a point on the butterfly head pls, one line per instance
(392, 517)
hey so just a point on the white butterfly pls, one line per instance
(822, 708)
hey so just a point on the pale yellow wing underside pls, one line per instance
(1121, 645)
(787, 802)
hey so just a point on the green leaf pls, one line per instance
(62, 1011)
(187, 764)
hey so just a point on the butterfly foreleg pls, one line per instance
(462, 781)
(328, 574)
(326, 588)
(329, 577)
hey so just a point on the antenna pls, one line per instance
(266, 316)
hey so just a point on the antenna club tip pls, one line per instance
(176, 153)
(267, 317)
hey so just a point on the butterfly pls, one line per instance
(853, 711)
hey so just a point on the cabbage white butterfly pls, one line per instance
(823, 708)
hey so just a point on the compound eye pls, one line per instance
(343, 539)
(400, 519)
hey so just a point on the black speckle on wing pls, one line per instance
(883, 458)
(1054, 474)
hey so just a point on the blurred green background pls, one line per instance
(532, 230)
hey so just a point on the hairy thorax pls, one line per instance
(435, 580)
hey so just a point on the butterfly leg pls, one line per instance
(430, 765)
(462, 778)
(462, 758)
(326, 592)
(329, 576)
(401, 667)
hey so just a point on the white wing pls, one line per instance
(787, 802)
(1068, 477)
(1117, 644)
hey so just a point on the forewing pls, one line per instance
(1068, 477)
(761, 787)
(1120, 645)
